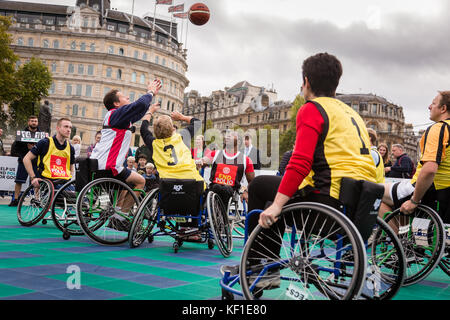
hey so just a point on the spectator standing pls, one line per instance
(377, 159)
(141, 162)
(383, 150)
(2, 149)
(131, 163)
(45, 117)
(251, 152)
(98, 137)
(76, 143)
(20, 149)
(403, 166)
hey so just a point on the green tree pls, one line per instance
(34, 80)
(287, 139)
(8, 82)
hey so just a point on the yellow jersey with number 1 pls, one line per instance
(343, 149)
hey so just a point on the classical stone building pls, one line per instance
(91, 49)
(243, 105)
(386, 119)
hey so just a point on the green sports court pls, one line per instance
(37, 264)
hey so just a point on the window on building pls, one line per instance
(119, 74)
(111, 49)
(83, 46)
(374, 108)
(45, 43)
(122, 28)
(133, 77)
(68, 89)
(68, 109)
(30, 42)
(92, 47)
(163, 61)
(136, 54)
(49, 21)
(75, 110)
(389, 127)
(88, 90)
(85, 22)
(53, 66)
(83, 111)
(106, 90)
(20, 41)
(132, 96)
(55, 44)
(52, 88)
(108, 72)
(71, 68)
(93, 23)
(168, 105)
(121, 51)
(90, 69)
(73, 45)
(79, 88)
(173, 106)
(80, 69)
(363, 107)
(144, 56)
(156, 59)
(142, 78)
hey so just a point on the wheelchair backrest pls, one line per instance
(84, 169)
(361, 199)
(180, 196)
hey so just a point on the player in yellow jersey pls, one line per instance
(56, 157)
(432, 178)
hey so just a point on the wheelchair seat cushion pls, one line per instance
(180, 196)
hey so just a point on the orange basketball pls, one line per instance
(199, 14)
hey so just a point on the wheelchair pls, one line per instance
(105, 206)
(34, 203)
(181, 209)
(444, 264)
(323, 254)
(422, 235)
(236, 215)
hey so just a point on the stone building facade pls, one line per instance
(243, 105)
(386, 118)
(91, 49)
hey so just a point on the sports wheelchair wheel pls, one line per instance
(421, 234)
(64, 213)
(386, 269)
(145, 219)
(219, 224)
(322, 256)
(445, 261)
(34, 203)
(236, 219)
(99, 214)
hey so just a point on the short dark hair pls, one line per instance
(32, 117)
(142, 155)
(445, 99)
(110, 98)
(323, 71)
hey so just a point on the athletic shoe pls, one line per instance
(13, 203)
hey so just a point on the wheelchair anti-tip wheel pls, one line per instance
(34, 203)
(219, 224)
(105, 210)
(64, 213)
(421, 234)
(145, 220)
(317, 241)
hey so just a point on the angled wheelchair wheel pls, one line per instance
(386, 270)
(421, 234)
(34, 203)
(445, 261)
(64, 213)
(105, 210)
(219, 224)
(313, 252)
(145, 219)
(236, 219)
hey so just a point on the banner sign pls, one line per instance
(28, 136)
(8, 169)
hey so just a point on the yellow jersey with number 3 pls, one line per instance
(343, 149)
(173, 159)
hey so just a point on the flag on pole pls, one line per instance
(178, 8)
(164, 1)
(183, 15)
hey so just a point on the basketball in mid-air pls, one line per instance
(199, 14)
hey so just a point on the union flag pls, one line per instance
(183, 15)
(178, 8)
(164, 1)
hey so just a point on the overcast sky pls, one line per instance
(398, 49)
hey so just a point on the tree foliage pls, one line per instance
(20, 88)
(287, 139)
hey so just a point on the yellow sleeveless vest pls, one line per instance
(56, 162)
(343, 149)
(437, 139)
(173, 159)
(379, 167)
